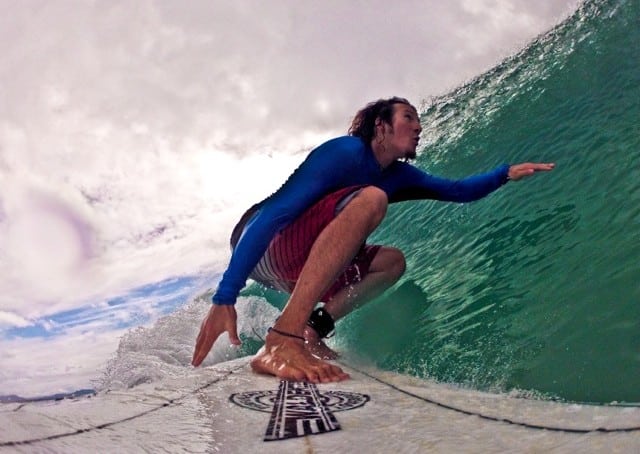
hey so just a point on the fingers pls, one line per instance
(542, 166)
(529, 168)
(233, 335)
(204, 342)
(218, 320)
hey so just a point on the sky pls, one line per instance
(134, 133)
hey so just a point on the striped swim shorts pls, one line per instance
(287, 253)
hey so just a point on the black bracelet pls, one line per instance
(322, 321)
(282, 333)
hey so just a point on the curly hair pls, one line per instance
(364, 123)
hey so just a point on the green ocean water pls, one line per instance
(537, 287)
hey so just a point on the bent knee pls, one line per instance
(391, 261)
(376, 199)
(398, 262)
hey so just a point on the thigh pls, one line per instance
(287, 253)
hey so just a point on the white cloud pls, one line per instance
(10, 319)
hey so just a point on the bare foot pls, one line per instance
(316, 346)
(288, 359)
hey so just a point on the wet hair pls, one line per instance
(363, 124)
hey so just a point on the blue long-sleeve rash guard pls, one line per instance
(339, 163)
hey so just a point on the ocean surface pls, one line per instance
(534, 290)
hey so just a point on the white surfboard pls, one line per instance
(227, 408)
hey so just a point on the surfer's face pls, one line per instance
(404, 132)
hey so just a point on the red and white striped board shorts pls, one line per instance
(287, 253)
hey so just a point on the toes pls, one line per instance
(329, 373)
(296, 375)
(324, 375)
(338, 373)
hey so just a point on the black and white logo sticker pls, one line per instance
(298, 409)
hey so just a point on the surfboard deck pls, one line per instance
(228, 408)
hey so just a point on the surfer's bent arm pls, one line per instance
(323, 171)
(406, 182)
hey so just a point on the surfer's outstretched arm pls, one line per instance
(220, 318)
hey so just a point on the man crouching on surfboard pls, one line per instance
(308, 238)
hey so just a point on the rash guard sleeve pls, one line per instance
(406, 182)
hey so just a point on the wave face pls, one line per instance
(536, 287)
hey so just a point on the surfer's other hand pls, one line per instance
(526, 169)
(219, 319)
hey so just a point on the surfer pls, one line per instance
(309, 238)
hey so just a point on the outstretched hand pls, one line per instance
(219, 319)
(527, 169)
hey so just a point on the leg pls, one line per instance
(331, 252)
(385, 270)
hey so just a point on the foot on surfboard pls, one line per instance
(287, 358)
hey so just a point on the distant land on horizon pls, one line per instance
(13, 398)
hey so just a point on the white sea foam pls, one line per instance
(164, 350)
